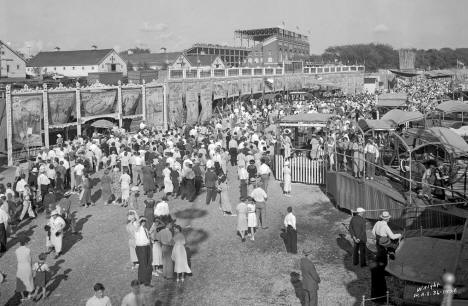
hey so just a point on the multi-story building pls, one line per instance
(76, 63)
(231, 56)
(273, 46)
(12, 64)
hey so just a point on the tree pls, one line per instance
(136, 50)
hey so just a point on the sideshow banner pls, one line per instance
(279, 84)
(233, 88)
(206, 101)
(246, 86)
(26, 115)
(176, 108)
(219, 90)
(102, 102)
(62, 106)
(191, 102)
(131, 102)
(154, 106)
(257, 85)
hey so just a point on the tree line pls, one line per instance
(382, 56)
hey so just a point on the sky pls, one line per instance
(34, 25)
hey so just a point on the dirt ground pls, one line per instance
(225, 270)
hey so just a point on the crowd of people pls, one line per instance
(144, 171)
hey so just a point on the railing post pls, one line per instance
(9, 125)
(78, 109)
(388, 298)
(363, 302)
(119, 102)
(45, 108)
(212, 72)
(184, 73)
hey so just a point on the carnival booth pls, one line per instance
(452, 114)
(389, 101)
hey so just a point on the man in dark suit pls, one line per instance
(210, 183)
(310, 280)
(357, 229)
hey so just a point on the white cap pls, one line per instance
(59, 136)
(360, 210)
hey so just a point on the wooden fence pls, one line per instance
(303, 169)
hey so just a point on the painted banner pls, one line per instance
(257, 85)
(219, 90)
(62, 107)
(246, 86)
(233, 88)
(154, 106)
(191, 102)
(94, 103)
(26, 115)
(206, 101)
(279, 84)
(131, 102)
(175, 104)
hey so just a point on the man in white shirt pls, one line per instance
(264, 172)
(134, 298)
(143, 252)
(259, 196)
(371, 152)
(384, 236)
(98, 299)
(20, 185)
(78, 172)
(291, 234)
(137, 173)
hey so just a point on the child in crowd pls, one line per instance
(41, 276)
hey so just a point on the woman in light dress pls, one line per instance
(179, 254)
(125, 180)
(157, 249)
(115, 187)
(131, 228)
(224, 202)
(168, 187)
(24, 273)
(242, 220)
(286, 179)
(251, 220)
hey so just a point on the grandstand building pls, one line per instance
(231, 56)
(273, 46)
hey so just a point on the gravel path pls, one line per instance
(225, 270)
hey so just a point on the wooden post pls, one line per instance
(78, 109)
(143, 99)
(45, 107)
(119, 102)
(388, 298)
(165, 110)
(363, 302)
(9, 126)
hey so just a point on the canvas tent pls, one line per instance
(400, 117)
(452, 142)
(392, 100)
(315, 119)
(453, 107)
(376, 125)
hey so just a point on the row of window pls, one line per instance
(8, 69)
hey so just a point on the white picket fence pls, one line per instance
(303, 169)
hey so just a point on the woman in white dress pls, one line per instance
(125, 180)
(251, 220)
(286, 179)
(131, 228)
(24, 274)
(179, 254)
(157, 249)
(168, 187)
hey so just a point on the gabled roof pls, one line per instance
(12, 50)
(158, 59)
(201, 60)
(69, 58)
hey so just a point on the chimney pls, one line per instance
(94, 47)
(57, 49)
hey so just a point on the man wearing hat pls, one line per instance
(357, 229)
(210, 183)
(310, 280)
(143, 252)
(383, 236)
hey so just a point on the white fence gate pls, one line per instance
(303, 169)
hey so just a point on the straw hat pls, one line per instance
(385, 215)
(360, 210)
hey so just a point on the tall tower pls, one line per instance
(407, 58)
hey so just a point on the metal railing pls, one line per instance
(198, 73)
(386, 296)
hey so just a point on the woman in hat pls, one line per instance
(242, 220)
(131, 228)
(251, 219)
(224, 202)
(125, 180)
(286, 179)
(164, 236)
(106, 189)
(179, 254)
